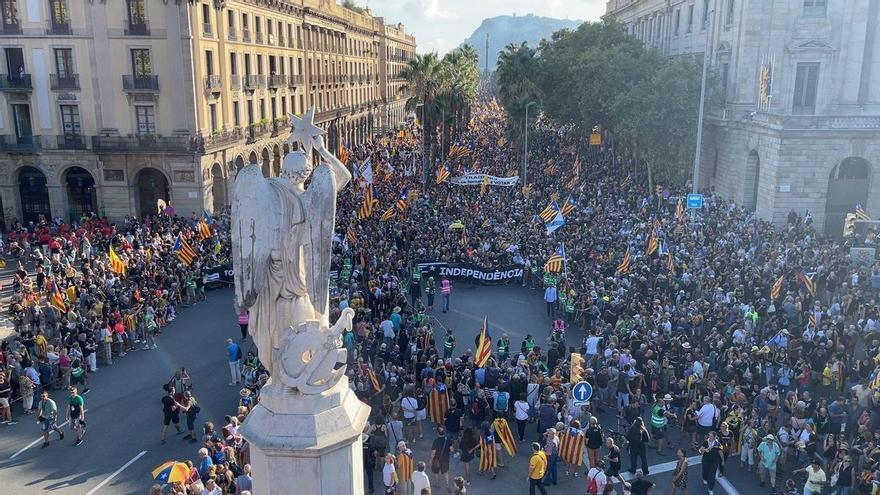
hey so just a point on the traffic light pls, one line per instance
(577, 367)
(849, 225)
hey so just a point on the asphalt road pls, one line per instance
(124, 411)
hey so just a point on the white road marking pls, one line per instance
(665, 467)
(40, 439)
(116, 473)
(728, 487)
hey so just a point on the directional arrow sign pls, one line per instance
(582, 391)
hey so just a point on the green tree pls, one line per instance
(518, 83)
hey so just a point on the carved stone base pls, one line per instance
(307, 443)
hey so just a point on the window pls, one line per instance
(262, 109)
(814, 8)
(212, 110)
(731, 8)
(233, 64)
(236, 114)
(230, 19)
(10, 14)
(59, 13)
(806, 83)
(70, 120)
(137, 12)
(690, 20)
(64, 62)
(146, 120)
(209, 62)
(676, 23)
(140, 62)
(283, 105)
(725, 71)
(259, 64)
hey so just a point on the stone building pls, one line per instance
(111, 106)
(799, 128)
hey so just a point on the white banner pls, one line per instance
(477, 180)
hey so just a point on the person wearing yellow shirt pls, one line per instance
(537, 468)
(42, 344)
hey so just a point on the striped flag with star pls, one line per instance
(402, 200)
(484, 348)
(861, 214)
(556, 261)
(623, 267)
(653, 244)
(116, 263)
(438, 403)
(350, 235)
(183, 250)
(549, 212)
(443, 173)
(458, 151)
(569, 206)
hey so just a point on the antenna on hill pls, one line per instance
(487, 53)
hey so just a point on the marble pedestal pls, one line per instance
(307, 444)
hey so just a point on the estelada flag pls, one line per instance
(488, 459)
(438, 403)
(571, 446)
(204, 230)
(503, 433)
(116, 263)
(404, 467)
(57, 299)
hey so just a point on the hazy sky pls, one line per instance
(441, 25)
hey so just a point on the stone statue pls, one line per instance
(281, 245)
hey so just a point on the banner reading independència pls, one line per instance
(477, 180)
(473, 273)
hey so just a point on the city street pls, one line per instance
(124, 414)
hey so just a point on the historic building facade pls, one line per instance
(111, 106)
(799, 128)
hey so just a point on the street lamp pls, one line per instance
(698, 151)
(526, 144)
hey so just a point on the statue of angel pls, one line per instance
(282, 238)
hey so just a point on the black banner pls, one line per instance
(473, 273)
(218, 276)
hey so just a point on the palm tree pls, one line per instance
(516, 73)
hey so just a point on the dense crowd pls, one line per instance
(753, 341)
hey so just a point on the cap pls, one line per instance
(769, 437)
(667, 397)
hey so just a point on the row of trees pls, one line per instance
(442, 91)
(600, 75)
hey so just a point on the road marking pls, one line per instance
(116, 473)
(40, 438)
(666, 467)
(728, 487)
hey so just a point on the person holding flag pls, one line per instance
(484, 346)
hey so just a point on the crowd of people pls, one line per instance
(715, 332)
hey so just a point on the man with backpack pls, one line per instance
(233, 351)
(596, 478)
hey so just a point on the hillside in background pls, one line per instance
(505, 29)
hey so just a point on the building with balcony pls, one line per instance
(97, 113)
(799, 124)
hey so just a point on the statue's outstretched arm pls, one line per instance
(340, 171)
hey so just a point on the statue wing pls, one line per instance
(322, 202)
(257, 221)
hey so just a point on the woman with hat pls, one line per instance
(246, 400)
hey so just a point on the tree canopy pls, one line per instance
(600, 75)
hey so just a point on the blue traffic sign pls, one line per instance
(582, 391)
(695, 200)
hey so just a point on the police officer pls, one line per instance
(448, 344)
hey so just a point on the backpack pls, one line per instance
(501, 402)
(238, 353)
(593, 487)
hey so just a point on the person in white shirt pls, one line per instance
(420, 479)
(598, 472)
(521, 414)
(389, 474)
(706, 416)
(410, 405)
(387, 328)
(591, 343)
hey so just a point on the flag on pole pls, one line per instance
(670, 263)
(555, 262)
(549, 212)
(569, 205)
(402, 201)
(366, 209)
(653, 244)
(484, 348)
(813, 322)
(116, 263)
(679, 210)
(388, 215)
(527, 190)
(559, 221)
(623, 267)
(343, 153)
(57, 299)
(183, 251)
(443, 173)
(458, 151)
(204, 230)
(861, 214)
(777, 288)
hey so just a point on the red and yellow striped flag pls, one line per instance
(404, 467)
(777, 288)
(484, 349)
(571, 447)
(388, 215)
(503, 433)
(116, 263)
(204, 230)
(438, 403)
(488, 459)
(653, 244)
(810, 285)
(623, 267)
(57, 299)
(374, 380)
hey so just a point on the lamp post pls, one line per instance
(526, 145)
(698, 152)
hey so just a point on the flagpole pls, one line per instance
(565, 260)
